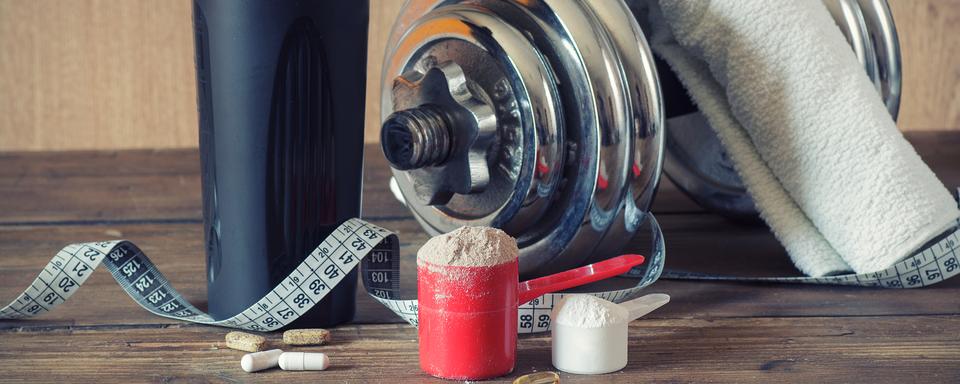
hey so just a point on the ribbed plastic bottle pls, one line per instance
(280, 93)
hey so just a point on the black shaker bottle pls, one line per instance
(280, 92)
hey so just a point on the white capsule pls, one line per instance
(259, 361)
(303, 361)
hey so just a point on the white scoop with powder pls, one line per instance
(590, 333)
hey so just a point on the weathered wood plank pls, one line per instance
(807, 349)
(157, 185)
(165, 185)
(99, 186)
(710, 331)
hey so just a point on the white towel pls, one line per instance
(820, 155)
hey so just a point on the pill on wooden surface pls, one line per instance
(303, 361)
(309, 336)
(539, 378)
(259, 361)
(243, 341)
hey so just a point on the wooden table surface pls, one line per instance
(710, 332)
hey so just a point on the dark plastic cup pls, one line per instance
(280, 90)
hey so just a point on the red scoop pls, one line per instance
(532, 289)
(468, 315)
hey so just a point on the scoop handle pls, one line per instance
(532, 289)
(648, 303)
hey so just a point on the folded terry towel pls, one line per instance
(820, 155)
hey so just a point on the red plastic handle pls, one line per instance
(532, 289)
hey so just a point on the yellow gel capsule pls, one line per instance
(539, 378)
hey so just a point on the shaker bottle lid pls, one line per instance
(539, 118)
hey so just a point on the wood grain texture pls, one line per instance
(125, 186)
(710, 332)
(737, 350)
(160, 185)
(100, 74)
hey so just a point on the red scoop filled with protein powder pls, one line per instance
(468, 293)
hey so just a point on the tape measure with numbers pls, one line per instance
(352, 243)
(356, 242)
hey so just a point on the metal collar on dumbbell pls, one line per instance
(542, 118)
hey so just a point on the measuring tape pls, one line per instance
(357, 241)
(313, 279)
(353, 242)
(936, 261)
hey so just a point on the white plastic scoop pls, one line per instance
(590, 333)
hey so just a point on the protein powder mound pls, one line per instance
(470, 247)
(588, 311)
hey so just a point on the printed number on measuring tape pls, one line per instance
(351, 244)
(356, 242)
(320, 272)
(936, 261)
